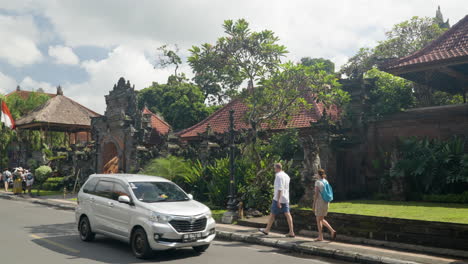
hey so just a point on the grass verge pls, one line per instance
(441, 212)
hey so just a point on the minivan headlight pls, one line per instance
(208, 214)
(159, 218)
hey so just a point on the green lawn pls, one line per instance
(454, 213)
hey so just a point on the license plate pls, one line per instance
(191, 237)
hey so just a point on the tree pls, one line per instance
(242, 55)
(408, 37)
(328, 65)
(169, 57)
(180, 103)
(404, 39)
(390, 94)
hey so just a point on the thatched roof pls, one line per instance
(59, 113)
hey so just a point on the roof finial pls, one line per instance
(59, 90)
(18, 88)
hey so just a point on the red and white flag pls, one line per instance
(6, 117)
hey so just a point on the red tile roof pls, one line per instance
(219, 120)
(451, 46)
(157, 123)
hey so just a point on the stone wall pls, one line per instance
(426, 233)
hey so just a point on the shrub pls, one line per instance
(42, 173)
(53, 184)
(432, 166)
(446, 198)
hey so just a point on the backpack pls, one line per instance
(29, 176)
(327, 192)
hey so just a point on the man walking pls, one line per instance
(280, 202)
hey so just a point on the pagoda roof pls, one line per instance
(59, 113)
(450, 48)
(218, 122)
(442, 64)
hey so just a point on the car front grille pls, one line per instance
(184, 226)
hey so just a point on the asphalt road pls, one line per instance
(31, 233)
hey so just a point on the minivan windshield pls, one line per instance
(153, 192)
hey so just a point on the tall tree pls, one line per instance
(328, 65)
(242, 55)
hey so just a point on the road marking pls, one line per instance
(55, 244)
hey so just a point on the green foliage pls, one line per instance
(172, 168)
(443, 98)
(432, 166)
(283, 95)
(390, 94)
(53, 184)
(180, 103)
(42, 173)
(407, 37)
(404, 39)
(243, 54)
(327, 65)
(19, 106)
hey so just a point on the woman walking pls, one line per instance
(322, 198)
(17, 181)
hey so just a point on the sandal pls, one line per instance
(333, 236)
(262, 230)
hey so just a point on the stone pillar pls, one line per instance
(311, 164)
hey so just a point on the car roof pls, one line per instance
(131, 177)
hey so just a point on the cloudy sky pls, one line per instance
(86, 45)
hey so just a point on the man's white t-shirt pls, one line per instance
(282, 184)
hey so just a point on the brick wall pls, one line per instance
(356, 175)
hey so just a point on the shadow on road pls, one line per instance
(64, 239)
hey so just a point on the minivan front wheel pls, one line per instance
(140, 246)
(201, 249)
(85, 230)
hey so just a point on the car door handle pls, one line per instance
(111, 204)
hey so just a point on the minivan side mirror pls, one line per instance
(124, 199)
(190, 196)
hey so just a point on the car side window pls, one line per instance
(104, 189)
(90, 185)
(119, 190)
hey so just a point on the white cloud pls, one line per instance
(30, 84)
(19, 39)
(7, 83)
(63, 55)
(123, 61)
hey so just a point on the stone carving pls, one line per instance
(122, 132)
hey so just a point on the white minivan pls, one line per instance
(150, 213)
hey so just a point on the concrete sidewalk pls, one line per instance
(51, 200)
(337, 250)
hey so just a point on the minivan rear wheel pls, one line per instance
(140, 246)
(201, 249)
(85, 230)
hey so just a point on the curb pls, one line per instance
(310, 250)
(38, 201)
